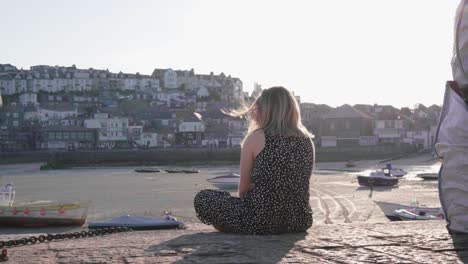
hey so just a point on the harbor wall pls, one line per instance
(190, 156)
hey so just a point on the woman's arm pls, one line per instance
(252, 146)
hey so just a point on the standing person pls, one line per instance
(452, 135)
(277, 159)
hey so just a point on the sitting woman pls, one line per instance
(277, 159)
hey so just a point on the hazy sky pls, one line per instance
(334, 52)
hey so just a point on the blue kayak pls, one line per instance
(139, 223)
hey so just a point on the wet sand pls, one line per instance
(335, 194)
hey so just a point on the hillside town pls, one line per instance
(67, 108)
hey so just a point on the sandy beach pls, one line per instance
(335, 194)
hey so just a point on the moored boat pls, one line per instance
(139, 223)
(395, 172)
(191, 171)
(428, 176)
(377, 178)
(389, 209)
(39, 214)
(350, 164)
(174, 171)
(230, 181)
(148, 170)
(407, 215)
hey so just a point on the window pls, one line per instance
(58, 135)
(66, 135)
(332, 126)
(81, 135)
(73, 135)
(50, 135)
(347, 124)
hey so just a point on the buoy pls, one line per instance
(61, 210)
(14, 212)
(43, 212)
(26, 212)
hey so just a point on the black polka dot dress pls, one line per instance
(277, 201)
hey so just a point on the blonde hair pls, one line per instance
(275, 111)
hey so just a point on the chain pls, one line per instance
(53, 237)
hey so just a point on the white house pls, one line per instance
(148, 140)
(112, 130)
(421, 137)
(28, 99)
(390, 131)
(191, 126)
(6, 84)
(170, 79)
(202, 92)
(56, 112)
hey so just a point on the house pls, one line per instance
(202, 91)
(112, 130)
(312, 115)
(55, 112)
(421, 137)
(191, 129)
(68, 137)
(346, 126)
(149, 140)
(13, 139)
(28, 99)
(168, 77)
(391, 131)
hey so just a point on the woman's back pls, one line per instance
(278, 200)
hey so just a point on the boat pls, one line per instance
(191, 171)
(429, 176)
(139, 223)
(389, 209)
(377, 178)
(148, 170)
(230, 181)
(395, 172)
(37, 214)
(407, 215)
(174, 171)
(350, 164)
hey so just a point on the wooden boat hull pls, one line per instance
(37, 215)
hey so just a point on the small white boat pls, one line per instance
(377, 178)
(428, 176)
(389, 209)
(407, 215)
(395, 172)
(37, 214)
(230, 181)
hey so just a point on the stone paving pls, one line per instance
(395, 242)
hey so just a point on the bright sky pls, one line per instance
(334, 52)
